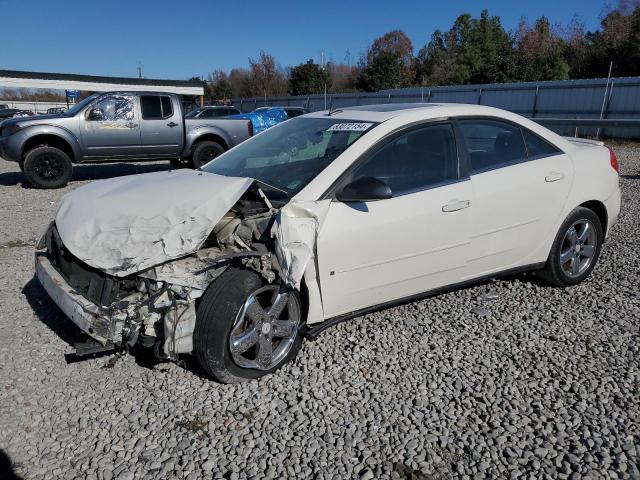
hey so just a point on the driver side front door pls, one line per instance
(371, 253)
(115, 133)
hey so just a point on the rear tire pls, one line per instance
(575, 250)
(47, 167)
(222, 321)
(204, 152)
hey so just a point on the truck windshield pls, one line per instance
(79, 106)
(288, 156)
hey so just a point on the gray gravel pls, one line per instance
(509, 379)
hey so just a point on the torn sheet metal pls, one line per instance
(128, 224)
(296, 230)
(194, 272)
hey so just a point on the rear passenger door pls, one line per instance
(162, 126)
(520, 184)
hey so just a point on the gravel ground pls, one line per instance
(509, 379)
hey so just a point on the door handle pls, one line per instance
(172, 124)
(554, 177)
(456, 205)
(132, 125)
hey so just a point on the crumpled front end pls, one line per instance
(156, 306)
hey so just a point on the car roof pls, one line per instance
(387, 111)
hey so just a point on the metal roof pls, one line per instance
(62, 81)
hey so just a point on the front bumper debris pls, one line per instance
(86, 315)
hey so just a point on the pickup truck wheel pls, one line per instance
(246, 328)
(204, 152)
(47, 167)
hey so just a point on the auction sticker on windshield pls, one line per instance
(349, 127)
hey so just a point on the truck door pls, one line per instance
(162, 126)
(111, 128)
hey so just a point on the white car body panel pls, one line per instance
(392, 248)
(513, 208)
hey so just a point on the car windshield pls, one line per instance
(79, 106)
(288, 156)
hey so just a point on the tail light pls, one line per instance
(613, 160)
(250, 128)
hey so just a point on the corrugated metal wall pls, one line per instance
(555, 99)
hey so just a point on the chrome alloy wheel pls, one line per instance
(265, 328)
(578, 248)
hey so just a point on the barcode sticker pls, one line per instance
(349, 127)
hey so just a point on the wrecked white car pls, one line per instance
(320, 219)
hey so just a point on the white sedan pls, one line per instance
(318, 220)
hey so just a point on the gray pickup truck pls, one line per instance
(111, 127)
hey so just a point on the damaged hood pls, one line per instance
(128, 224)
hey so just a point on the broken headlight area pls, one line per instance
(157, 307)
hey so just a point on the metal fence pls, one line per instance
(35, 107)
(616, 98)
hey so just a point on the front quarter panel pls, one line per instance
(15, 143)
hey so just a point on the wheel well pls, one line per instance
(599, 209)
(48, 140)
(212, 137)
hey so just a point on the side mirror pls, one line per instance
(364, 189)
(96, 114)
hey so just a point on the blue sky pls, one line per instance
(180, 38)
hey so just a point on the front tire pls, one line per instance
(204, 152)
(47, 167)
(575, 250)
(246, 328)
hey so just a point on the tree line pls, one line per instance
(473, 50)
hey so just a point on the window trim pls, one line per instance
(159, 97)
(511, 163)
(345, 177)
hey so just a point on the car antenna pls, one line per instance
(332, 109)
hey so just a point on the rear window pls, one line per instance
(155, 107)
(492, 143)
(536, 146)
(167, 107)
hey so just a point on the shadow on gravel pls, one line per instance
(631, 177)
(49, 313)
(92, 171)
(6, 467)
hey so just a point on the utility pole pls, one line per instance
(325, 81)
(139, 69)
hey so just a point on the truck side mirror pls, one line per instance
(96, 114)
